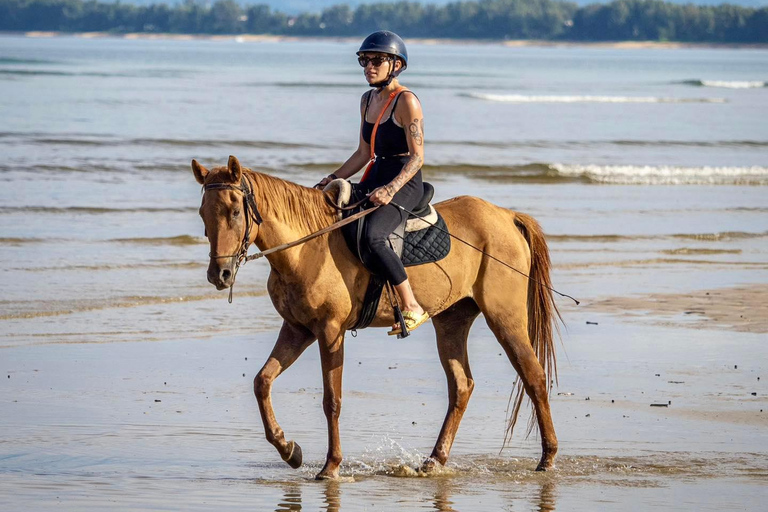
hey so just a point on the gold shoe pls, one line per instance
(412, 321)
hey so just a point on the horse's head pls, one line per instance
(229, 214)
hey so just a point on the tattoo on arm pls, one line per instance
(416, 128)
(410, 169)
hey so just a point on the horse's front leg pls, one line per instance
(291, 342)
(332, 359)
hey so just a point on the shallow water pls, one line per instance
(126, 382)
(125, 424)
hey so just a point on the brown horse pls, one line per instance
(318, 289)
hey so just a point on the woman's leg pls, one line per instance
(379, 225)
(407, 299)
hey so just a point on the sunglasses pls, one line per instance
(376, 61)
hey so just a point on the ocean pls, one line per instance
(647, 168)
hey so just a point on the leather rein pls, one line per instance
(252, 215)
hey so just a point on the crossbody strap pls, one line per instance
(376, 129)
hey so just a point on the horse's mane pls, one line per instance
(282, 200)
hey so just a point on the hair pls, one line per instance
(283, 200)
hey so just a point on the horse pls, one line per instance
(318, 289)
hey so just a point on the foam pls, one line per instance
(666, 175)
(521, 98)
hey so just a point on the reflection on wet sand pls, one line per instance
(291, 499)
(332, 497)
(547, 497)
(441, 499)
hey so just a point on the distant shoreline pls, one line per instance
(514, 43)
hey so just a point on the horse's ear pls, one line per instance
(199, 171)
(234, 169)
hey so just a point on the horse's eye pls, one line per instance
(236, 213)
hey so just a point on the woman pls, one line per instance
(395, 175)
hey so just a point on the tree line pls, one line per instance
(620, 20)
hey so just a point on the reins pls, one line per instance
(483, 252)
(251, 209)
(327, 229)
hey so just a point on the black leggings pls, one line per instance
(381, 223)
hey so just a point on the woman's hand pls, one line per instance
(382, 195)
(323, 182)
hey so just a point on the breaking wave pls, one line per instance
(666, 175)
(727, 84)
(610, 174)
(522, 98)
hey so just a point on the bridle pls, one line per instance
(252, 215)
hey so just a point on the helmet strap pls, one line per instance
(390, 76)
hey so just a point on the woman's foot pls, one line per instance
(413, 318)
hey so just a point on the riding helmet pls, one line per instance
(384, 41)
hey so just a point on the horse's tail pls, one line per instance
(543, 315)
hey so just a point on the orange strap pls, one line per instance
(376, 128)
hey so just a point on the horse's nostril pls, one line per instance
(226, 274)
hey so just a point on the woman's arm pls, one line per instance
(410, 116)
(359, 158)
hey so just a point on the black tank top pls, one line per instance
(390, 138)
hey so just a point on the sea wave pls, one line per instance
(522, 98)
(723, 236)
(91, 210)
(727, 84)
(567, 144)
(147, 73)
(665, 174)
(538, 172)
(610, 174)
(14, 60)
(169, 240)
(95, 140)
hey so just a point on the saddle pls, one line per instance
(422, 238)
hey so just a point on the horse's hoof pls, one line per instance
(429, 465)
(545, 465)
(294, 459)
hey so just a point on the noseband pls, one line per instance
(251, 212)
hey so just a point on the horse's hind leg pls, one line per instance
(511, 330)
(452, 328)
(291, 342)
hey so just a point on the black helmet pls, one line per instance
(384, 41)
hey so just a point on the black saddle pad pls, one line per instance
(426, 245)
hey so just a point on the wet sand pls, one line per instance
(741, 308)
(173, 424)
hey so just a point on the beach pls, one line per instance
(127, 379)
(173, 424)
(511, 43)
